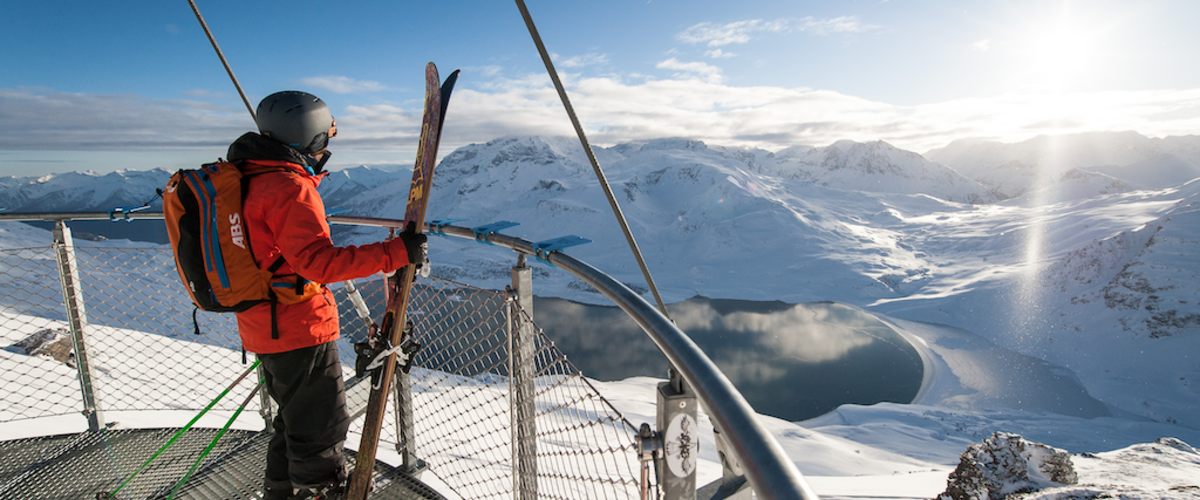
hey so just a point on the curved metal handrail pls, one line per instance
(57, 216)
(768, 469)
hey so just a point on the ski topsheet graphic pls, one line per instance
(437, 96)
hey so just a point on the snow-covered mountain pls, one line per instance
(877, 167)
(92, 192)
(81, 191)
(1079, 271)
(1014, 169)
(1162, 171)
(1065, 274)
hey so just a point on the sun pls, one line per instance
(1062, 53)
(1063, 47)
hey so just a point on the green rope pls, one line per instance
(180, 433)
(213, 444)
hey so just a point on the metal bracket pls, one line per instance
(436, 225)
(649, 446)
(123, 213)
(545, 248)
(482, 232)
(733, 484)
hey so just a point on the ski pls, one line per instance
(437, 96)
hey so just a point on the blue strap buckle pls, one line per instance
(123, 213)
(437, 226)
(545, 248)
(482, 232)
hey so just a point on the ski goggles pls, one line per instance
(321, 141)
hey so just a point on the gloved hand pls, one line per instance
(417, 246)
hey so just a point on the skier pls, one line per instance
(285, 217)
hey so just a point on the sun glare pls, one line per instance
(1062, 48)
(1060, 52)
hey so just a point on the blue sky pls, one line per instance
(135, 84)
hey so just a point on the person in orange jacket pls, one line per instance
(285, 218)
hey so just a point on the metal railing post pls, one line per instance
(522, 360)
(679, 432)
(72, 292)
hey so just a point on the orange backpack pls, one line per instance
(203, 211)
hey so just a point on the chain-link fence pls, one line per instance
(138, 324)
(143, 355)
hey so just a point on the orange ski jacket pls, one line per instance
(285, 217)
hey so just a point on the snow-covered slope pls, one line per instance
(877, 167)
(1014, 169)
(92, 192)
(345, 186)
(1160, 172)
(1077, 274)
(80, 191)
(730, 223)
(689, 203)
(1077, 184)
(1069, 314)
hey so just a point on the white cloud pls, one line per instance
(489, 71)
(697, 105)
(719, 35)
(719, 54)
(584, 60)
(343, 85)
(844, 24)
(205, 94)
(694, 104)
(982, 45)
(43, 119)
(686, 70)
(799, 333)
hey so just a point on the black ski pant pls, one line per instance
(311, 422)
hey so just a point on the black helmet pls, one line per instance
(298, 119)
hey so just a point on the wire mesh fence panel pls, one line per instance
(144, 355)
(37, 368)
(585, 447)
(464, 408)
(147, 353)
(460, 404)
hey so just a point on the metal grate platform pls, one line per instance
(78, 466)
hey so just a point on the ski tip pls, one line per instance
(448, 83)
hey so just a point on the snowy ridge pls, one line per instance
(1014, 169)
(878, 167)
(81, 191)
(1078, 184)
(1163, 171)
(346, 186)
(91, 192)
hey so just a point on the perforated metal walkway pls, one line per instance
(78, 466)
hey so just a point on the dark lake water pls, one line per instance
(792, 361)
(150, 231)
